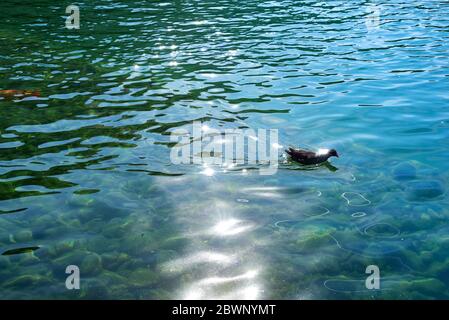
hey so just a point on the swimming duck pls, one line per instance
(310, 157)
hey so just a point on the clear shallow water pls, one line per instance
(86, 177)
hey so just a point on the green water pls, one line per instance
(85, 171)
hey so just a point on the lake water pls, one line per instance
(86, 177)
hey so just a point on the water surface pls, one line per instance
(85, 171)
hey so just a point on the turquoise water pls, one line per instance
(85, 171)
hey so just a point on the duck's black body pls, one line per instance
(309, 157)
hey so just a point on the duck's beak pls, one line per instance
(336, 154)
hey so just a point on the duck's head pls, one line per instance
(333, 153)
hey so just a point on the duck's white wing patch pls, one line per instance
(322, 152)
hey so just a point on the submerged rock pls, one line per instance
(28, 259)
(112, 261)
(28, 280)
(143, 277)
(117, 228)
(427, 287)
(24, 236)
(404, 171)
(75, 257)
(424, 190)
(55, 232)
(95, 290)
(4, 262)
(311, 237)
(174, 243)
(62, 248)
(316, 211)
(381, 230)
(163, 256)
(91, 264)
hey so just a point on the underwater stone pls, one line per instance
(43, 253)
(24, 236)
(91, 264)
(102, 244)
(381, 230)
(113, 277)
(28, 280)
(121, 291)
(131, 264)
(4, 236)
(310, 237)
(29, 259)
(94, 224)
(432, 287)
(96, 290)
(424, 190)
(4, 262)
(75, 257)
(163, 256)
(174, 243)
(143, 277)
(155, 294)
(404, 171)
(112, 261)
(85, 214)
(416, 260)
(155, 188)
(61, 248)
(55, 232)
(45, 221)
(80, 201)
(116, 228)
(72, 223)
(138, 244)
(440, 269)
(315, 211)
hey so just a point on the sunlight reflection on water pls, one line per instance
(85, 170)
